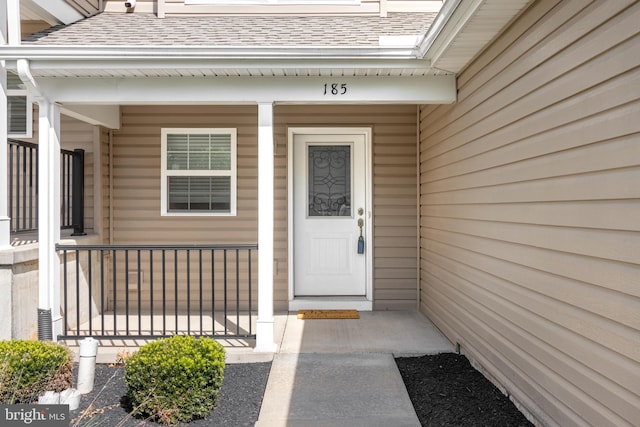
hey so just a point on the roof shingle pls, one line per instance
(137, 29)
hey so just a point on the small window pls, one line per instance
(19, 109)
(198, 172)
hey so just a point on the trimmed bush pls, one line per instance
(28, 368)
(175, 379)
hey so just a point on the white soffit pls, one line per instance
(54, 12)
(466, 28)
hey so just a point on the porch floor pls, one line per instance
(391, 332)
(145, 324)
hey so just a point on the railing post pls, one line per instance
(77, 185)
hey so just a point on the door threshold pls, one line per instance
(330, 303)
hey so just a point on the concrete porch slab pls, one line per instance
(394, 332)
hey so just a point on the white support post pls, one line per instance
(6, 314)
(13, 22)
(49, 218)
(265, 334)
(5, 220)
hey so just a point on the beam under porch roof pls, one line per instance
(413, 90)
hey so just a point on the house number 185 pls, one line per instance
(335, 89)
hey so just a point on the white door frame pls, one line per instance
(359, 303)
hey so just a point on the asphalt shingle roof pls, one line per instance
(137, 29)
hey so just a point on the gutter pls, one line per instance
(437, 27)
(24, 72)
(48, 316)
(84, 53)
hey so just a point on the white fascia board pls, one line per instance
(399, 41)
(76, 68)
(233, 90)
(455, 25)
(173, 53)
(438, 27)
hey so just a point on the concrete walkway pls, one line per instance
(342, 372)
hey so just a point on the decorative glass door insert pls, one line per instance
(329, 180)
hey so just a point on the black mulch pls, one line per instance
(447, 391)
(238, 402)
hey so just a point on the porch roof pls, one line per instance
(125, 45)
(142, 45)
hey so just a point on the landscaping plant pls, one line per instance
(28, 368)
(175, 379)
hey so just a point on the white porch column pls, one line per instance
(49, 218)
(265, 335)
(6, 315)
(5, 221)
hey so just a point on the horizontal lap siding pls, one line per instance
(76, 134)
(105, 186)
(530, 238)
(136, 177)
(394, 194)
(136, 197)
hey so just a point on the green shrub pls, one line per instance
(175, 379)
(28, 368)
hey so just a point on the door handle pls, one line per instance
(361, 238)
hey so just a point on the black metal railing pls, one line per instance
(23, 187)
(147, 291)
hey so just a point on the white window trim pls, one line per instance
(29, 117)
(233, 173)
(272, 2)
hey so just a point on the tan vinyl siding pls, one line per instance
(105, 184)
(74, 134)
(394, 194)
(136, 171)
(529, 212)
(30, 27)
(136, 197)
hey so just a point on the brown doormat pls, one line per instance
(328, 314)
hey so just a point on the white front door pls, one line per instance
(329, 205)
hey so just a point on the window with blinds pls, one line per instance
(199, 171)
(19, 109)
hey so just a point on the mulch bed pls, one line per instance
(447, 391)
(238, 402)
